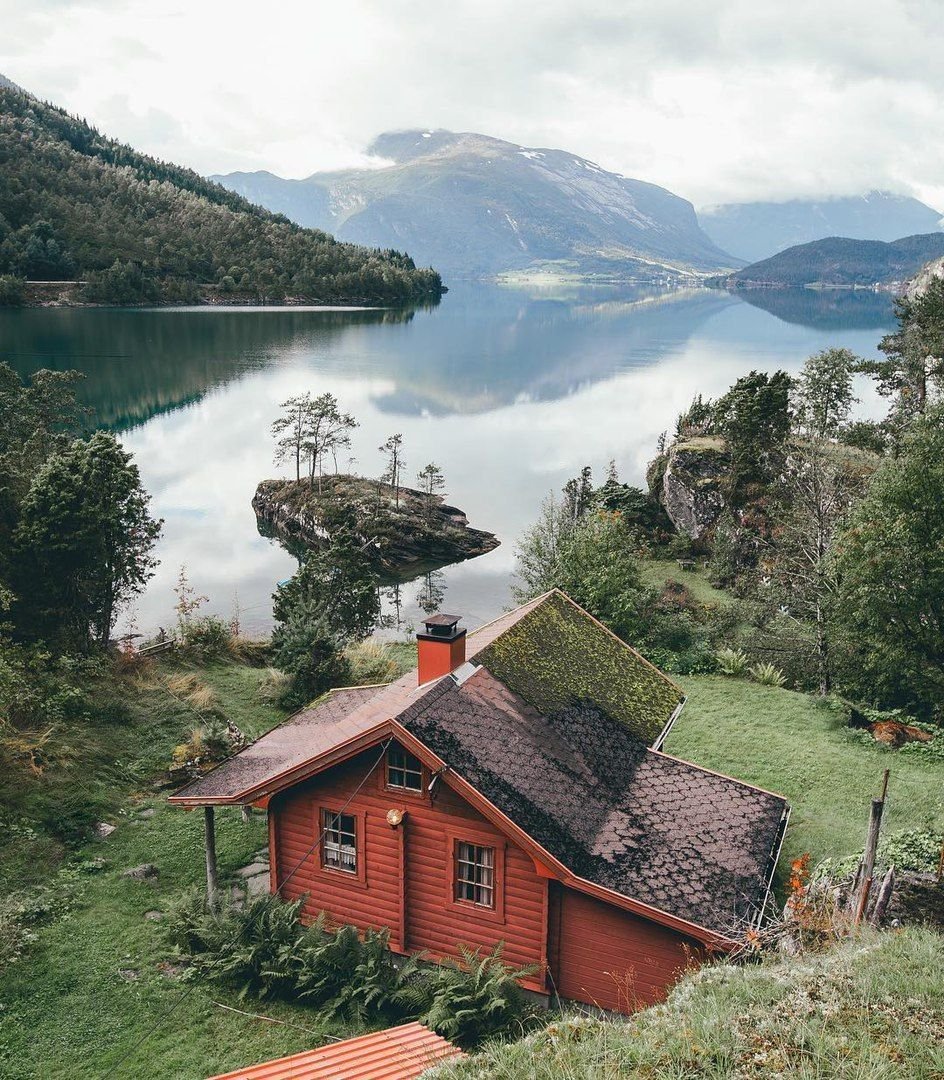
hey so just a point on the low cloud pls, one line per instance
(719, 102)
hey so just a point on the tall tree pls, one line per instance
(393, 449)
(889, 564)
(593, 560)
(290, 430)
(36, 420)
(823, 393)
(332, 599)
(754, 417)
(309, 430)
(326, 432)
(578, 494)
(814, 491)
(914, 354)
(83, 543)
(431, 482)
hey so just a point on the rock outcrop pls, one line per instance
(420, 534)
(687, 480)
(918, 285)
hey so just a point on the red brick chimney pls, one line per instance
(441, 649)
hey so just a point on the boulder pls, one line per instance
(692, 484)
(144, 872)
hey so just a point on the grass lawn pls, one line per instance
(92, 984)
(791, 744)
(656, 572)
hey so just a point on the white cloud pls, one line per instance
(737, 99)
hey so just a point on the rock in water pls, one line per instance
(420, 533)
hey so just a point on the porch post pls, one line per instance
(210, 840)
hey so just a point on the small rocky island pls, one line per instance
(406, 531)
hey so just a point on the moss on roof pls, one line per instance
(556, 656)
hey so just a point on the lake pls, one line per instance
(509, 391)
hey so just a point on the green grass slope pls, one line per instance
(795, 745)
(73, 202)
(871, 1009)
(95, 980)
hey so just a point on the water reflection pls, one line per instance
(509, 392)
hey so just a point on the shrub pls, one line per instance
(470, 1000)
(207, 635)
(257, 948)
(767, 675)
(264, 950)
(732, 662)
(370, 662)
(213, 741)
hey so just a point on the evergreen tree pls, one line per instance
(392, 448)
(83, 544)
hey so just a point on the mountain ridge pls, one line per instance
(477, 206)
(757, 230)
(841, 262)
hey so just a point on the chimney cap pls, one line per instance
(442, 620)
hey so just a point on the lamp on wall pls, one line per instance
(395, 817)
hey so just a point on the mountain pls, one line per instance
(8, 84)
(842, 261)
(75, 204)
(475, 206)
(756, 230)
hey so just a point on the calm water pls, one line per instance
(509, 392)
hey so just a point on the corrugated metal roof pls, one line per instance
(400, 1053)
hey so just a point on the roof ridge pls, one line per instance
(532, 603)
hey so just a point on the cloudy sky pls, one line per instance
(720, 100)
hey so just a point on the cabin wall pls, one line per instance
(605, 956)
(406, 877)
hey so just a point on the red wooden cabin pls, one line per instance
(516, 794)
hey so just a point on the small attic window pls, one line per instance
(404, 771)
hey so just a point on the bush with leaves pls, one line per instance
(472, 998)
(767, 675)
(264, 950)
(733, 662)
(207, 636)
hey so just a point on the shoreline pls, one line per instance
(63, 294)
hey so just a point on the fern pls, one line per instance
(767, 675)
(475, 997)
(732, 662)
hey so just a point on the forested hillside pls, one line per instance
(840, 260)
(75, 204)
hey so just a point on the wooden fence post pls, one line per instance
(871, 848)
(884, 896)
(209, 830)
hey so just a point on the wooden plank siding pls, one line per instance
(405, 876)
(605, 956)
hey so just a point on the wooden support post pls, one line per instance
(209, 829)
(871, 848)
(884, 896)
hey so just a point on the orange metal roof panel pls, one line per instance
(400, 1053)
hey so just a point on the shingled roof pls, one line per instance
(554, 729)
(555, 655)
(690, 842)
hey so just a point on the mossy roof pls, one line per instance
(556, 656)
